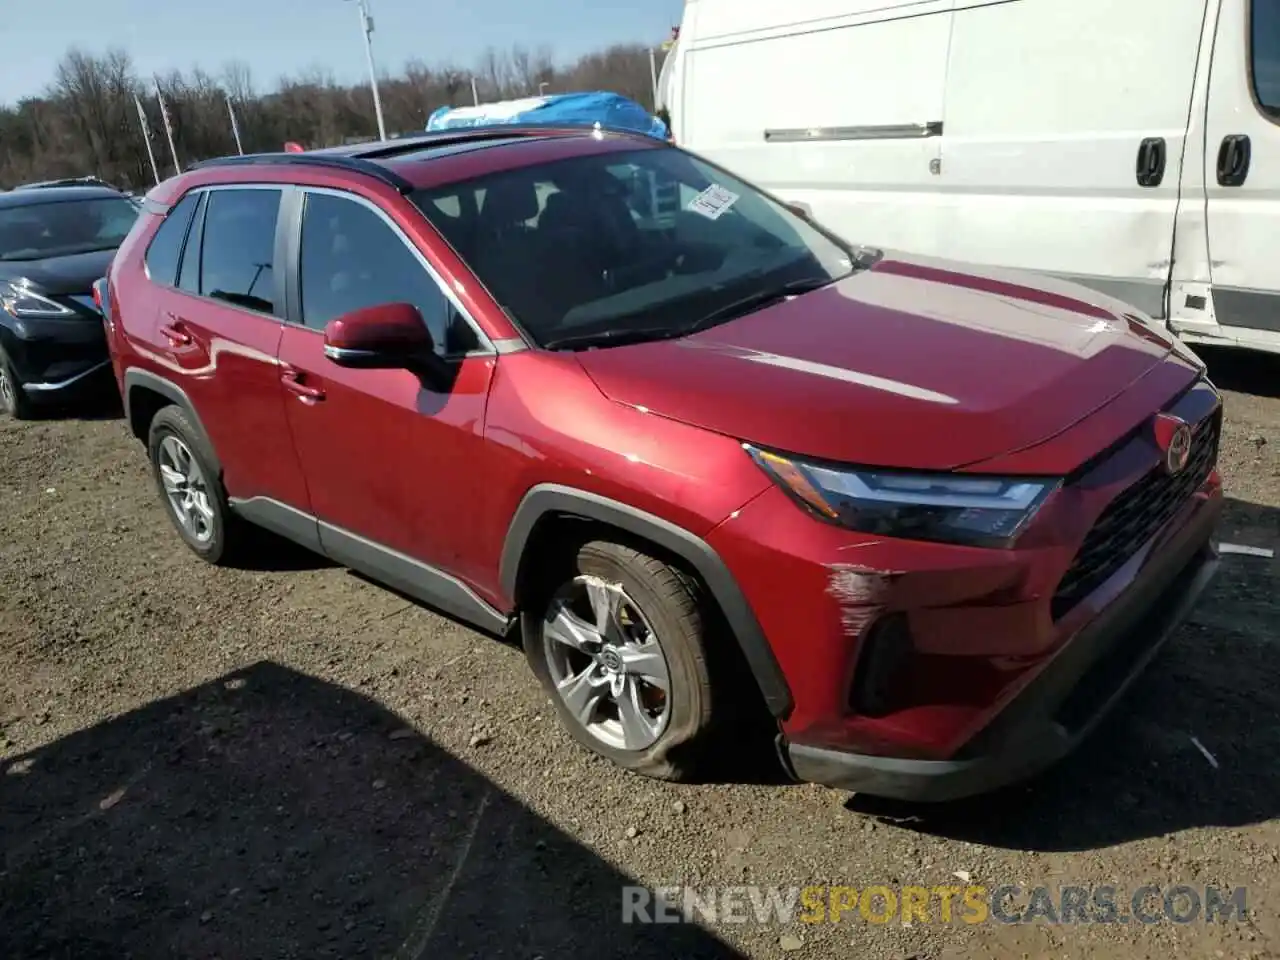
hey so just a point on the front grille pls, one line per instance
(1134, 517)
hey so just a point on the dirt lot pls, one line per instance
(292, 762)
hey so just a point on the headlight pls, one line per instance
(949, 508)
(21, 302)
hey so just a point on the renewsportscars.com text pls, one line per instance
(945, 903)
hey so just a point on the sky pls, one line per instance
(281, 37)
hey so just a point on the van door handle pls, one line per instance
(174, 333)
(1151, 162)
(292, 380)
(1233, 160)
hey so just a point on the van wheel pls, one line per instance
(13, 399)
(191, 488)
(618, 644)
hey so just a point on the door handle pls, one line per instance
(174, 333)
(292, 380)
(1151, 162)
(1233, 160)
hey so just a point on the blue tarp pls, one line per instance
(569, 109)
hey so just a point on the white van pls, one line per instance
(1130, 145)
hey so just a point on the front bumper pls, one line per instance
(55, 359)
(933, 671)
(1065, 701)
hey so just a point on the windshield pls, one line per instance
(629, 245)
(36, 231)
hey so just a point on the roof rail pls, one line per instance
(64, 182)
(332, 161)
(402, 145)
(533, 129)
(360, 158)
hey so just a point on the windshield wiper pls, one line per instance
(614, 338)
(756, 301)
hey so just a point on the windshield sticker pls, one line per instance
(713, 202)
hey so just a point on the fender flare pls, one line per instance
(134, 377)
(545, 499)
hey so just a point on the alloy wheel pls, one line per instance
(8, 390)
(607, 663)
(186, 489)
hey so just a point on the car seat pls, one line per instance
(510, 256)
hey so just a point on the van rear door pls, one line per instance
(1242, 180)
(1065, 129)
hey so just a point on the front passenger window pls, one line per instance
(352, 259)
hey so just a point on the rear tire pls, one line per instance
(191, 488)
(637, 692)
(13, 399)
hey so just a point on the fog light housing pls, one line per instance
(880, 677)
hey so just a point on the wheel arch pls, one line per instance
(547, 502)
(146, 393)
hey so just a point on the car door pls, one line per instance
(1242, 171)
(218, 331)
(394, 465)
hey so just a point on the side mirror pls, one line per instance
(389, 336)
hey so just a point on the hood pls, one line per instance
(914, 363)
(60, 275)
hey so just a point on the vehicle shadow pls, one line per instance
(755, 761)
(106, 407)
(1242, 371)
(270, 814)
(1143, 772)
(101, 401)
(272, 553)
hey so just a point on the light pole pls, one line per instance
(542, 87)
(235, 127)
(653, 75)
(366, 31)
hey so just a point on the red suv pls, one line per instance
(589, 385)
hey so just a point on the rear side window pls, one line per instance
(238, 248)
(189, 274)
(1265, 47)
(166, 246)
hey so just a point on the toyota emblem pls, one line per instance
(1173, 437)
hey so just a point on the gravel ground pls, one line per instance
(292, 762)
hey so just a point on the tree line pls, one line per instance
(86, 122)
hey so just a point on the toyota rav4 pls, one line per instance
(703, 455)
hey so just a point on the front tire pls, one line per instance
(618, 643)
(13, 399)
(191, 488)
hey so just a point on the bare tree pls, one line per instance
(523, 75)
(86, 121)
(237, 80)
